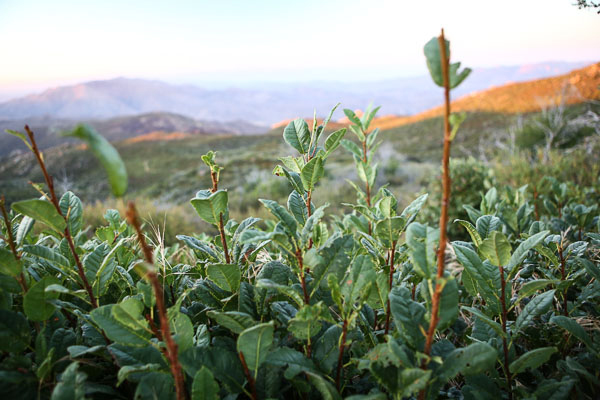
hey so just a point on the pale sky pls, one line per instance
(51, 42)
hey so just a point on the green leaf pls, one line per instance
(295, 361)
(107, 155)
(333, 141)
(235, 321)
(472, 231)
(42, 211)
(537, 306)
(71, 385)
(574, 329)
(155, 385)
(323, 386)
(254, 344)
(412, 210)
(9, 265)
(181, 328)
(422, 243)
(121, 325)
(448, 311)
(414, 380)
(357, 283)
(526, 245)
(352, 148)
(533, 286)
(297, 135)
(478, 272)
(36, 301)
(532, 359)
(225, 276)
(476, 358)
(496, 249)
(20, 136)
(388, 230)
(288, 221)
(127, 370)
(312, 172)
(15, 333)
(486, 224)
(307, 321)
(408, 316)
(72, 209)
(353, 117)
(210, 206)
(204, 386)
(333, 259)
(487, 320)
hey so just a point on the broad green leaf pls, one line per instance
(486, 224)
(422, 243)
(154, 386)
(353, 117)
(121, 327)
(297, 135)
(72, 209)
(448, 311)
(526, 245)
(204, 386)
(235, 321)
(307, 321)
(288, 221)
(333, 259)
(478, 272)
(9, 265)
(537, 306)
(409, 316)
(368, 117)
(434, 64)
(574, 329)
(210, 206)
(352, 148)
(47, 253)
(358, 282)
(15, 333)
(36, 302)
(532, 359)
(107, 155)
(414, 380)
(127, 370)
(476, 358)
(254, 344)
(323, 386)
(181, 329)
(71, 385)
(472, 231)
(312, 172)
(487, 320)
(20, 136)
(295, 361)
(42, 211)
(388, 230)
(225, 276)
(412, 210)
(533, 286)
(333, 141)
(496, 249)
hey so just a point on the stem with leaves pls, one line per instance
(435, 302)
(563, 274)
(391, 281)
(54, 201)
(504, 343)
(11, 243)
(340, 362)
(152, 277)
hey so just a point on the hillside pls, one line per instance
(48, 130)
(262, 103)
(576, 87)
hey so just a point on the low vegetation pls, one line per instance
(477, 290)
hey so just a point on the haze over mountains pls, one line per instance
(259, 104)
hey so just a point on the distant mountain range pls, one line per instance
(262, 105)
(47, 130)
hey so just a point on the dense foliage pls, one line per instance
(304, 304)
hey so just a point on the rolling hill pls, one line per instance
(261, 103)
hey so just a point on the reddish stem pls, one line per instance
(249, 377)
(54, 201)
(11, 243)
(171, 353)
(341, 355)
(504, 344)
(388, 311)
(223, 239)
(302, 278)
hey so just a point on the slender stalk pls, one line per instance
(504, 343)
(171, 351)
(367, 186)
(308, 203)
(388, 311)
(215, 187)
(435, 302)
(11, 243)
(302, 277)
(340, 363)
(563, 276)
(249, 377)
(54, 201)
